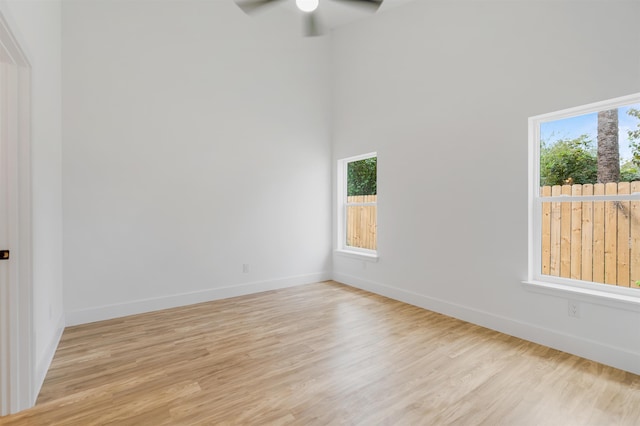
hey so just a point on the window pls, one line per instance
(357, 205)
(584, 221)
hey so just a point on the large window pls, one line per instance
(585, 197)
(357, 204)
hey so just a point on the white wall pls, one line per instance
(195, 141)
(442, 91)
(36, 25)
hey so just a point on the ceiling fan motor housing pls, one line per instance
(309, 8)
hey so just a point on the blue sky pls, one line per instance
(570, 128)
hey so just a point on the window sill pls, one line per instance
(369, 257)
(598, 297)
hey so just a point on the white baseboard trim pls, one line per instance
(105, 312)
(43, 364)
(585, 348)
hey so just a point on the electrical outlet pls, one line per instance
(245, 268)
(574, 309)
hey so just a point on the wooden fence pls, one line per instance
(362, 222)
(595, 241)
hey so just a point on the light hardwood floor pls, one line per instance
(319, 354)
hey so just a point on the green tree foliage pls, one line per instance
(568, 161)
(629, 171)
(634, 137)
(362, 177)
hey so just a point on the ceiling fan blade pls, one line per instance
(311, 25)
(251, 6)
(370, 4)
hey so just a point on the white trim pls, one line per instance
(588, 198)
(105, 312)
(588, 108)
(361, 204)
(360, 255)
(628, 302)
(359, 157)
(606, 354)
(341, 197)
(42, 366)
(588, 287)
(557, 285)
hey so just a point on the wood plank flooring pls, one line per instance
(320, 354)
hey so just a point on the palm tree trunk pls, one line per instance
(608, 149)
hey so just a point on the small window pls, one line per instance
(585, 197)
(357, 204)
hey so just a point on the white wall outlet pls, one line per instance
(245, 268)
(574, 309)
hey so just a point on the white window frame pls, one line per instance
(342, 204)
(621, 297)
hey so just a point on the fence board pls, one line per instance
(635, 237)
(349, 219)
(623, 228)
(587, 235)
(362, 217)
(365, 223)
(610, 235)
(373, 224)
(576, 234)
(545, 191)
(554, 257)
(598, 235)
(565, 235)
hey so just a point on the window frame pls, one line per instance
(342, 205)
(622, 297)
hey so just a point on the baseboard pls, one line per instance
(43, 364)
(105, 312)
(585, 348)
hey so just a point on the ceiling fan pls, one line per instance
(309, 9)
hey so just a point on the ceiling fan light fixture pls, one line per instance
(307, 5)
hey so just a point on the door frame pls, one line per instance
(17, 355)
